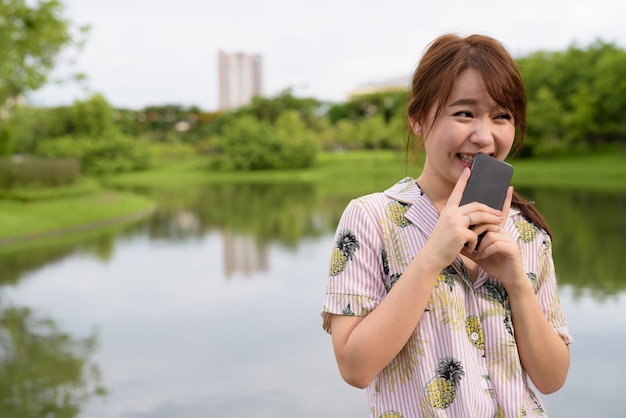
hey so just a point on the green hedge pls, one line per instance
(44, 172)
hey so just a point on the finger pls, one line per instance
(471, 246)
(487, 234)
(490, 247)
(507, 203)
(495, 242)
(457, 192)
(481, 220)
(471, 243)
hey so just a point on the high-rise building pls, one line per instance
(241, 78)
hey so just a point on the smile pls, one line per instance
(468, 158)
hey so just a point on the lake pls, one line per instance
(210, 307)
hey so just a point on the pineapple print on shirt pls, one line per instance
(441, 389)
(475, 332)
(527, 231)
(345, 247)
(396, 211)
(392, 414)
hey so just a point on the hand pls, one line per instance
(498, 254)
(452, 234)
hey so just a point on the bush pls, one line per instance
(173, 151)
(116, 153)
(252, 144)
(51, 172)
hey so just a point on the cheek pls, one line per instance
(505, 141)
(445, 137)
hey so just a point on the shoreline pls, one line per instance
(4, 242)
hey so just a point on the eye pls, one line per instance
(464, 114)
(504, 116)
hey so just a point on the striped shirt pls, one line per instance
(462, 358)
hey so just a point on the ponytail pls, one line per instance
(530, 212)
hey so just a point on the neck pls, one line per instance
(435, 188)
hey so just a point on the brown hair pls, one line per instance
(448, 56)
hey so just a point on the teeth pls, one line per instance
(467, 158)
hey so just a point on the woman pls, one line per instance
(431, 323)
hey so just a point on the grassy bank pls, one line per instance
(35, 213)
(375, 170)
(21, 220)
(602, 173)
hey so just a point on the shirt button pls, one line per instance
(474, 336)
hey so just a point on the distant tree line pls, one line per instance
(576, 103)
(576, 99)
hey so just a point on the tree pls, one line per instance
(248, 143)
(31, 38)
(576, 98)
(92, 118)
(270, 109)
(390, 103)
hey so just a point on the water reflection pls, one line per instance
(590, 237)
(183, 333)
(44, 372)
(249, 217)
(18, 259)
(269, 212)
(589, 229)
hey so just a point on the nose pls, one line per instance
(483, 133)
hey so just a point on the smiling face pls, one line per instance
(470, 122)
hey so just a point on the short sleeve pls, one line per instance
(546, 288)
(355, 280)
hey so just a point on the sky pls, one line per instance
(155, 52)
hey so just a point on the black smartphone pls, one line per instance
(488, 183)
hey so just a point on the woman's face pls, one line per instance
(470, 122)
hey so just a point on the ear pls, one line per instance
(416, 127)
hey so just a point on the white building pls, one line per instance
(240, 79)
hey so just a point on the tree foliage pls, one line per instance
(388, 104)
(576, 98)
(89, 135)
(269, 109)
(576, 102)
(31, 38)
(253, 144)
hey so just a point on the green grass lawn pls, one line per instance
(374, 170)
(598, 173)
(21, 219)
(350, 173)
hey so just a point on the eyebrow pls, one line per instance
(471, 102)
(463, 102)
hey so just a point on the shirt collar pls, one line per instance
(421, 212)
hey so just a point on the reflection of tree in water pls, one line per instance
(17, 259)
(248, 216)
(590, 237)
(278, 212)
(44, 372)
(590, 228)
